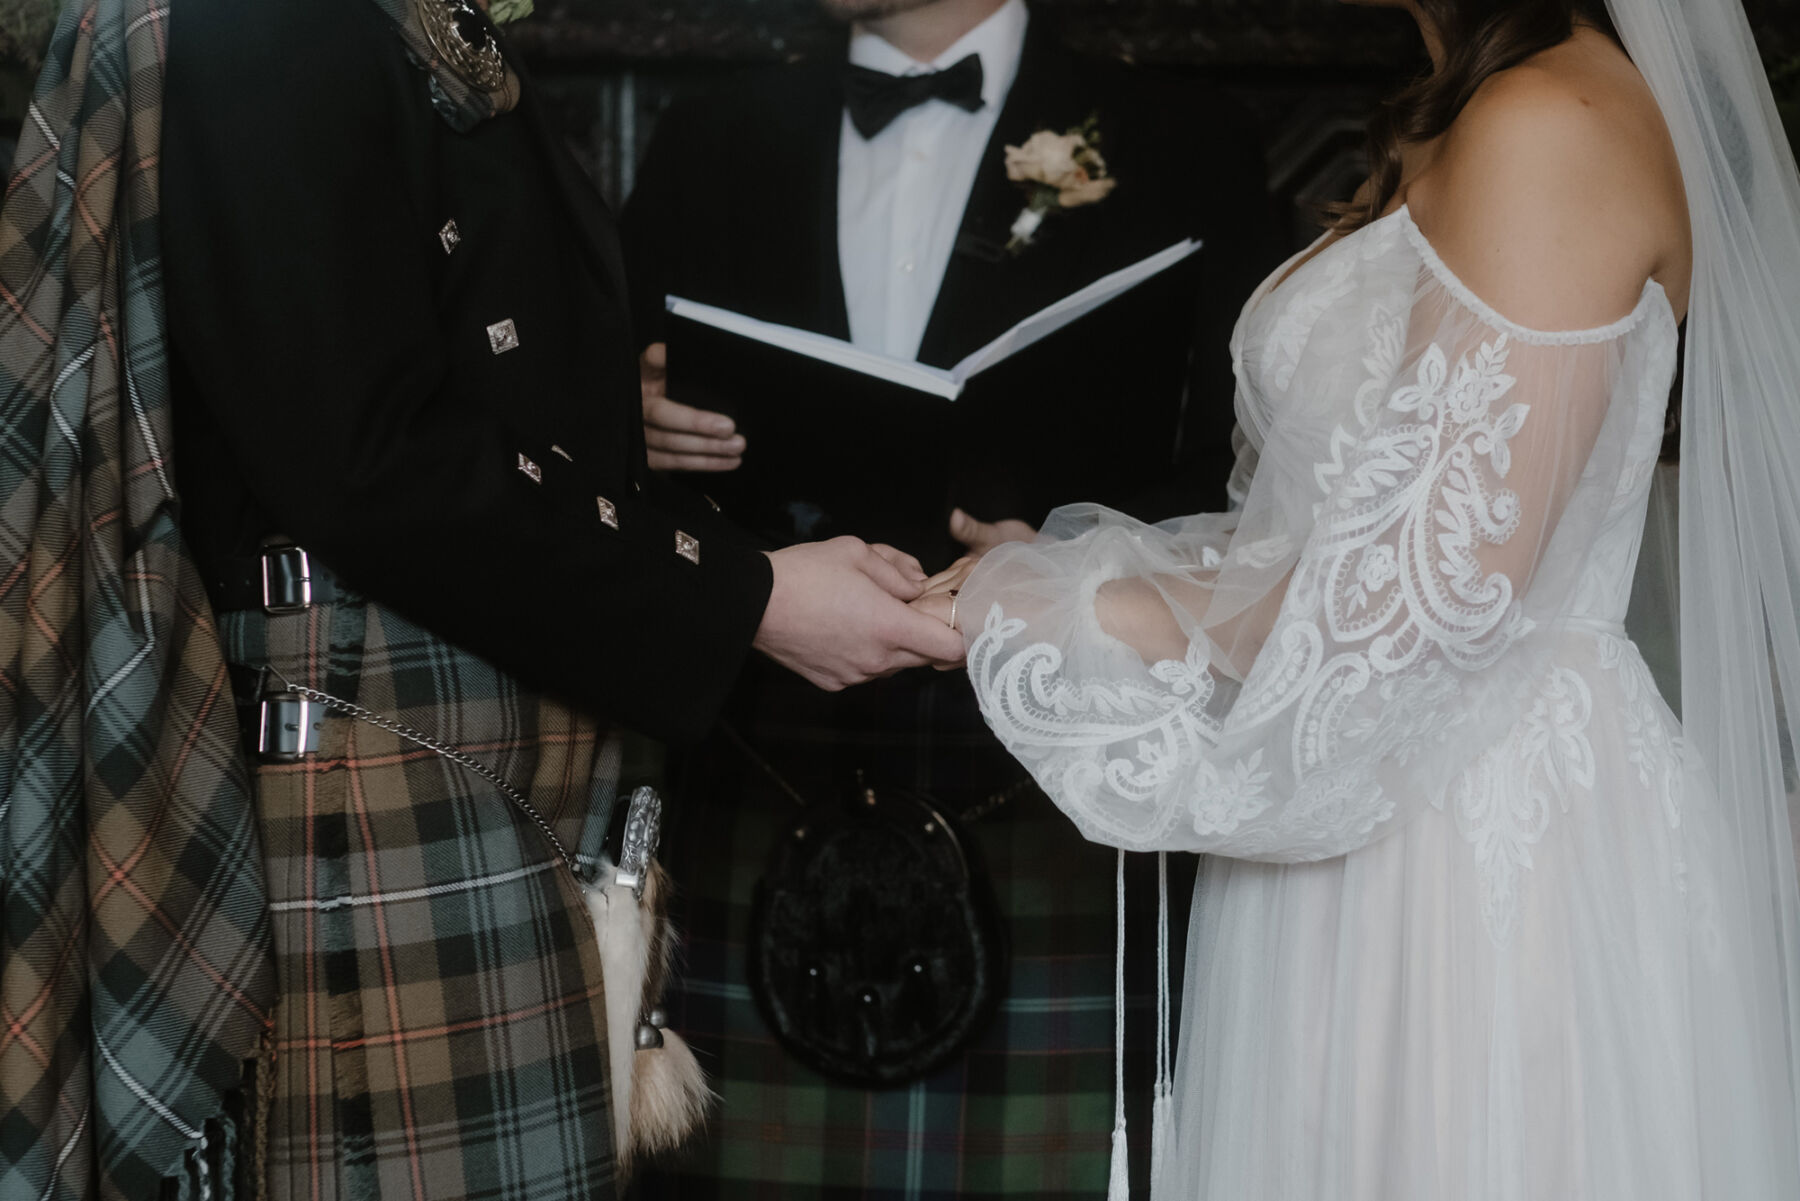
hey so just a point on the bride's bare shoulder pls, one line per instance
(1556, 191)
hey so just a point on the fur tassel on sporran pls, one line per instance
(659, 1092)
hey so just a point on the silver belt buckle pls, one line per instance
(286, 579)
(288, 727)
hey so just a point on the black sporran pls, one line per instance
(876, 949)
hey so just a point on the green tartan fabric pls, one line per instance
(134, 961)
(441, 1030)
(1027, 1111)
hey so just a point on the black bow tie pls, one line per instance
(875, 98)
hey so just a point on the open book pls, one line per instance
(846, 441)
(948, 383)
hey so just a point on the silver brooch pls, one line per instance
(450, 236)
(531, 470)
(460, 36)
(688, 547)
(609, 512)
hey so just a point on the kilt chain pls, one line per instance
(460, 758)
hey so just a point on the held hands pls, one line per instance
(838, 615)
(680, 437)
(839, 612)
(938, 596)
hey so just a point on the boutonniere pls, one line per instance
(502, 12)
(1059, 171)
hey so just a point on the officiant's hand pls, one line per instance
(838, 614)
(681, 437)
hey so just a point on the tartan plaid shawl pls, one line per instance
(135, 971)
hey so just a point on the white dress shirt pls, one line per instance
(901, 194)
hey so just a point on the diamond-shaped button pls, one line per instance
(503, 336)
(531, 470)
(609, 512)
(688, 547)
(450, 236)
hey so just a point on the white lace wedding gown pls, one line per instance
(1464, 934)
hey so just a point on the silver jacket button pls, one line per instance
(503, 336)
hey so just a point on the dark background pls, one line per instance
(1308, 69)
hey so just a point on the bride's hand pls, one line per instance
(979, 537)
(951, 577)
(942, 606)
(982, 536)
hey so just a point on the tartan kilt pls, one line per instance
(440, 1033)
(1027, 1110)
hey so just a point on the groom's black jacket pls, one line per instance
(335, 382)
(736, 205)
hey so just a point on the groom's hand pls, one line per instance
(838, 615)
(680, 437)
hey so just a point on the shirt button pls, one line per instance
(906, 264)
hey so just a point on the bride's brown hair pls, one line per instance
(1480, 38)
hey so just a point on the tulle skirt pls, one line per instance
(1532, 992)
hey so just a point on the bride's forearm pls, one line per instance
(1138, 611)
(1154, 614)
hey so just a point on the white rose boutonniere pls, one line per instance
(1059, 171)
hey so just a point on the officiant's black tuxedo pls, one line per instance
(736, 205)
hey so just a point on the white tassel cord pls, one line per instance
(1162, 1106)
(1118, 1187)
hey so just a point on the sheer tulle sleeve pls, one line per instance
(1293, 680)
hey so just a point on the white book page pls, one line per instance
(935, 380)
(835, 351)
(1073, 307)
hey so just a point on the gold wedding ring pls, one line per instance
(953, 594)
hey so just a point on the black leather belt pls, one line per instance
(283, 725)
(281, 578)
(279, 726)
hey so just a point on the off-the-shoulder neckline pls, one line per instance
(1647, 298)
(1464, 294)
